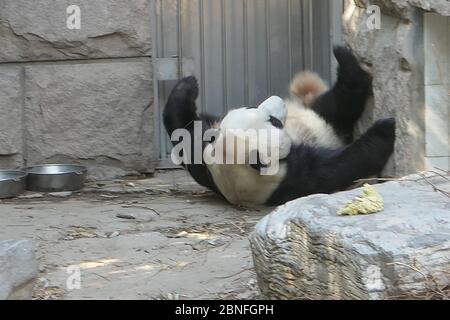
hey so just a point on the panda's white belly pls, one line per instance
(304, 126)
(243, 185)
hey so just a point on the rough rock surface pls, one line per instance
(109, 28)
(18, 268)
(305, 250)
(11, 140)
(97, 114)
(405, 8)
(397, 67)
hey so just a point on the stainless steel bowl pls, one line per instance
(12, 183)
(56, 177)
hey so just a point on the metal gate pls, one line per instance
(242, 51)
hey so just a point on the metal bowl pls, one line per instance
(56, 177)
(12, 183)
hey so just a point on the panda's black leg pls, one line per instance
(365, 157)
(180, 110)
(344, 104)
(181, 113)
(313, 171)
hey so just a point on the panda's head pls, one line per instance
(269, 115)
(255, 132)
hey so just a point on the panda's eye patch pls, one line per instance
(276, 122)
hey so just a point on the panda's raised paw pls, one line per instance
(384, 128)
(345, 56)
(188, 86)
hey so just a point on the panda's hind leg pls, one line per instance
(180, 110)
(344, 103)
(365, 157)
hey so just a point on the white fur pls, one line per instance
(243, 185)
(276, 107)
(239, 183)
(258, 119)
(304, 126)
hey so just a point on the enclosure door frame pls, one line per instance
(166, 67)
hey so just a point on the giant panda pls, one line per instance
(316, 149)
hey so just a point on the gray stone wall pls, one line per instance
(395, 53)
(83, 96)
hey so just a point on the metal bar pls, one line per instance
(336, 10)
(310, 28)
(289, 21)
(179, 41)
(268, 47)
(158, 51)
(202, 54)
(161, 86)
(156, 107)
(224, 58)
(246, 79)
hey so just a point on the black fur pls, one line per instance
(310, 170)
(343, 105)
(314, 170)
(180, 113)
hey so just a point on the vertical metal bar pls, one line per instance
(336, 10)
(156, 106)
(305, 33)
(202, 54)
(179, 41)
(161, 29)
(301, 60)
(268, 47)
(246, 81)
(162, 87)
(289, 21)
(224, 58)
(310, 28)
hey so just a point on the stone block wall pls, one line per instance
(437, 89)
(396, 53)
(69, 95)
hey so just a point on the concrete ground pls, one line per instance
(158, 238)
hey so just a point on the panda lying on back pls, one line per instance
(316, 149)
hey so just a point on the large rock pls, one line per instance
(405, 8)
(109, 28)
(304, 250)
(97, 114)
(397, 66)
(18, 268)
(11, 103)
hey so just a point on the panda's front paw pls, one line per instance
(344, 56)
(384, 128)
(381, 137)
(351, 71)
(188, 88)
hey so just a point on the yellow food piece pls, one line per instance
(370, 202)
